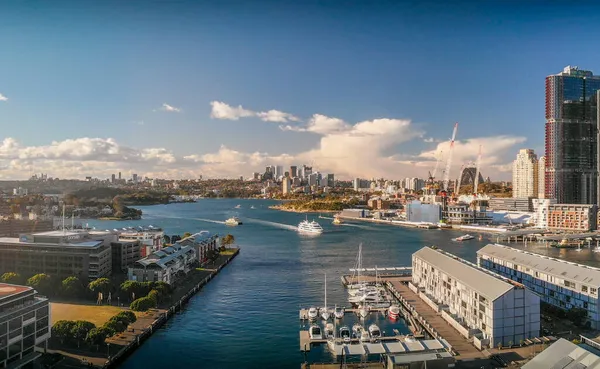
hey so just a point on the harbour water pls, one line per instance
(247, 317)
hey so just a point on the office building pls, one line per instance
(293, 171)
(511, 204)
(278, 171)
(86, 255)
(360, 184)
(476, 302)
(112, 178)
(24, 325)
(572, 217)
(542, 178)
(286, 185)
(306, 171)
(124, 254)
(150, 238)
(558, 282)
(134, 178)
(462, 213)
(119, 176)
(571, 136)
(164, 265)
(330, 180)
(525, 174)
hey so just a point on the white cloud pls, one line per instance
(3, 98)
(170, 108)
(221, 110)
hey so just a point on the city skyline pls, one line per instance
(204, 99)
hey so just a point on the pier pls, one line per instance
(402, 223)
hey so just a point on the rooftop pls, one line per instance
(560, 268)
(7, 290)
(564, 354)
(478, 279)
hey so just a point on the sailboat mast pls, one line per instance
(325, 292)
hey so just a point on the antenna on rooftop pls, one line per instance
(63, 220)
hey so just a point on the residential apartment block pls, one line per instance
(525, 174)
(572, 217)
(477, 302)
(151, 238)
(202, 242)
(61, 254)
(164, 265)
(124, 254)
(558, 282)
(24, 325)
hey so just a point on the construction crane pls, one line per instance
(431, 179)
(476, 179)
(449, 162)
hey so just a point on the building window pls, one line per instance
(584, 288)
(593, 291)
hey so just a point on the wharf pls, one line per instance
(405, 277)
(304, 312)
(402, 223)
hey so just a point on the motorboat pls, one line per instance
(314, 332)
(345, 334)
(338, 312)
(365, 336)
(363, 311)
(371, 295)
(238, 206)
(252, 207)
(357, 330)
(394, 312)
(374, 331)
(465, 237)
(480, 237)
(362, 290)
(337, 220)
(310, 227)
(233, 221)
(313, 313)
(329, 331)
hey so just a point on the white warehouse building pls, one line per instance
(489, 307)
(558, 282)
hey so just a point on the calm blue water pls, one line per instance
(247, 317)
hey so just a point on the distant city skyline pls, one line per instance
(188, 89)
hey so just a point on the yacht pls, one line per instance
(337, 220)
(313, 313)
(233, 221)
(338, 312)
(345, 334)
(309, 227)
(361, 291)
(329, 331)
(357, 330)
(370, 296)
(374, 331)
(325, 311)
(465, 237)
(394, 312)
(314, 332)
(363, 311)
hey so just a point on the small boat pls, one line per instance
(356, 330)
(337, 220)
(314, 332)
(394, 312)
(310, 227)
(345, 334)
(365, 336)
(252, 207)
(329, 331)
(480, 237)
(238, 206)
(363, 311)
(338, 312)
(465, 237)
(233, 221)
(313, 313)
(374, 331)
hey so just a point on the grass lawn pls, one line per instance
(227, 252)
(97, 314)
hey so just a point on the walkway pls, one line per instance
(459, 343)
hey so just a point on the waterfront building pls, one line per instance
(541, 178)
(564, 354)
(541, 207)
(24, 325)
(151, 238)
(164, 265)
(525, 174)
(463, 213)
(480, 304)
(558, 282)
(124, 254)
(61, 254)
(571, 136)
(377, 203)
(355, 213)
(572, 217)
(202, 242)
(286, 185)
(511, 203)
(416, 211)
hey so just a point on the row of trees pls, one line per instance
(80, 331)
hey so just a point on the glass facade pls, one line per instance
(571, 137)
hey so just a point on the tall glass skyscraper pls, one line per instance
(572, 137)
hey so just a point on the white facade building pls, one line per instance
(286, 185)
(541, 207)
(541, 177)
(479, 303)
(525, 174)
(558, 282)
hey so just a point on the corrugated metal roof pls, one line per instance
(477, 279)
(563, 354)
(559, 268)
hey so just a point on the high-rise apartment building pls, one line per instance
(571, 136)
(293, 171)
(330, 180)
(541, 177)
(278, 171)
(286, 185)
(525, 174)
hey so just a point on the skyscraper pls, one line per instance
(571, 136)
(293, 171)
(525, 174)
(541, 177)
(286, 185)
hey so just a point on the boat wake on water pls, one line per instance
(273, 224)
(209, 220)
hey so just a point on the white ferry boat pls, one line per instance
(233, 221)
(465, 237)
(309, 227)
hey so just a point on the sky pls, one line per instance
(179, 89)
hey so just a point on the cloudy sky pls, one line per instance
(221, 89)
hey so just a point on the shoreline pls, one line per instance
(277, 207)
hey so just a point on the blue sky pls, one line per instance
(100, 70)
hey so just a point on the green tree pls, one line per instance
(227, 240)
(80, 330)
(62, 330)
(126, 317)
(100, 285)
(11, 277)
(41, 282)
(97, 336)
(143, 304)
(118, 206)
(163, 289)
(71, 287)
(115, 325)
(166, 239)
(186, 234)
